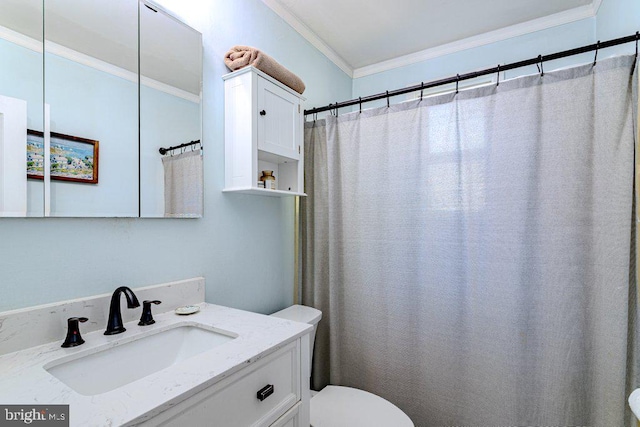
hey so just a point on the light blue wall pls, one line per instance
(618, 18)
(23, 79)
(243, 245)
(95, 105)
(527, 46)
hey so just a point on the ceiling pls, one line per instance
(363, 37)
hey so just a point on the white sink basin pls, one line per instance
(114, 367)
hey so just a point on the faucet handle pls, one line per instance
(147, 317)
(74, 338)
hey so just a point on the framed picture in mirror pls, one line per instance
(72, 158)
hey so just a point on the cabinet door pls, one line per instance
(279, 125)
(290, 419)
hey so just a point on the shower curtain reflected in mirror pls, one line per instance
(471, 252)
(183, 192)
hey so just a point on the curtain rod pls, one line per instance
(164, 151)
(460, 77)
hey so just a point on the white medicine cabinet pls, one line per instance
(263, 132)
(89, 92)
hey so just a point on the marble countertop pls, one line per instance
(24, 381)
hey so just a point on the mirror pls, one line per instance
(89, 129)
(170, 100)
(91, 87)
(21, 107)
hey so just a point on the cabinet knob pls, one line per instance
(263, 113)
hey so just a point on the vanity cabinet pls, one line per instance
(263, 131)
(236, 400)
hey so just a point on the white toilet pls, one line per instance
(337, 406)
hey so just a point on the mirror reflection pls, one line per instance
(21, 107)
(82, 138)
(91, 88)
(170, 119)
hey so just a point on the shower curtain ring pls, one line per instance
(457, 81)
(336, 108)
(315, 117)
(387, 99)
(421, 90)
(360, 102)
(541, 66)
(635, 59)
(595, 57)
(498, 77)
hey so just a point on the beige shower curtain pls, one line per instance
(471, 252)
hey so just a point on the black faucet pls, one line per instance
(73, 332)
(114, 323)
(147, 317)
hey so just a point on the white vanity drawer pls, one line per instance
(233, 402)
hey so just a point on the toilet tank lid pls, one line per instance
(300, 313)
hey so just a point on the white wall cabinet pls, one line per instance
(263, 131)
(233, 402)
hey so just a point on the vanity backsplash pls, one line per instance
(31, 326)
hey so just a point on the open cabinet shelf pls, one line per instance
(263, 192)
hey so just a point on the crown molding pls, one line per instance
(97, 64)
(89, 61)
(309, 35)
(171, 90)
(20, 39)
(571, 15)
(114, 70)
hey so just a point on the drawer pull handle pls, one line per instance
(265, 392)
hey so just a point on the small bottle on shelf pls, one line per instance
(269, 180)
